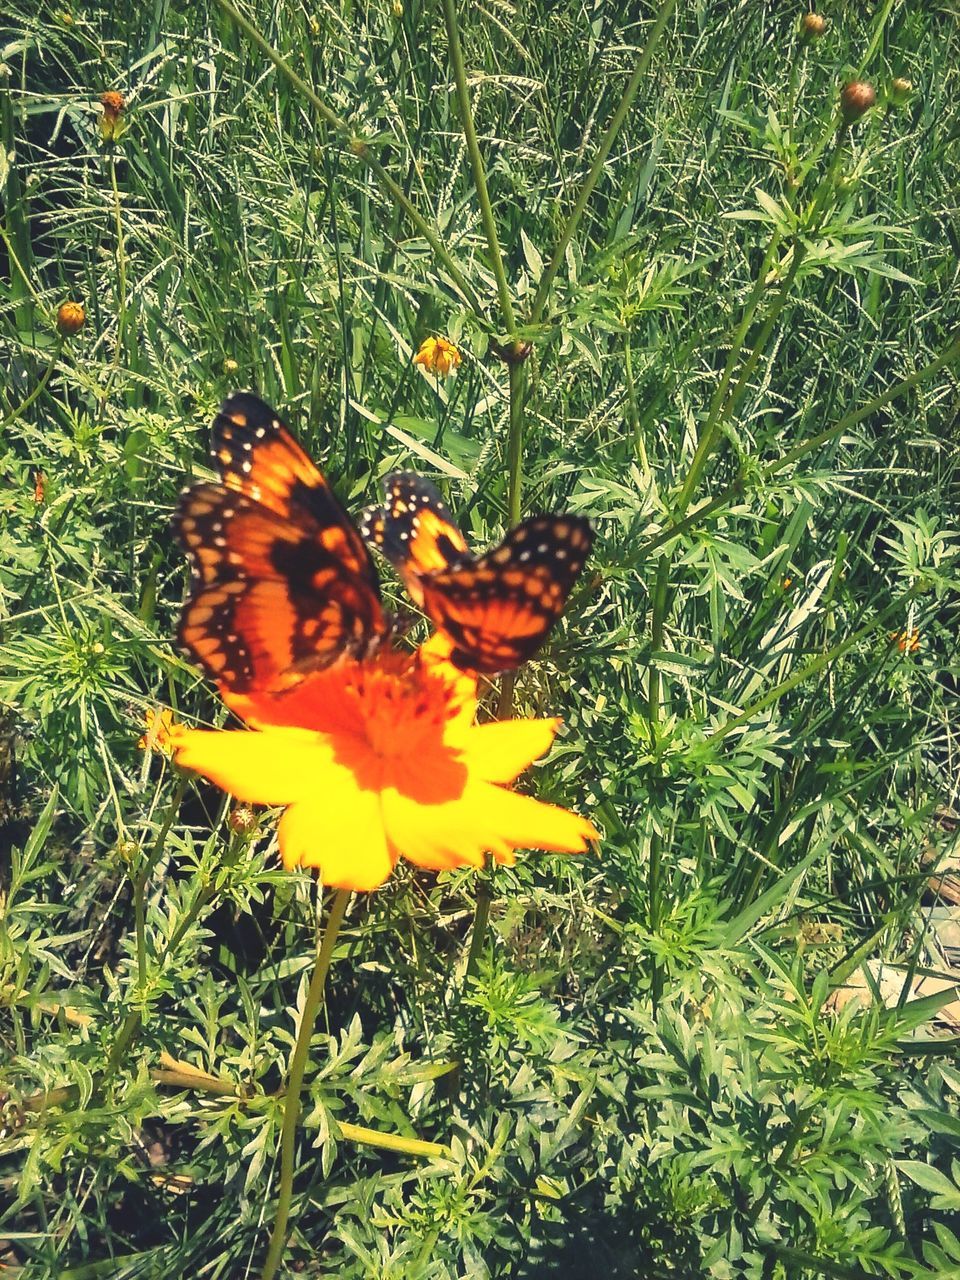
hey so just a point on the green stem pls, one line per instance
(298, 1065)
(360, 149)
(515, 445)
(476, 164)
(599, 160)
(121, 285)
(950, 353)
(514, 497)
(38, 389)
(654, 706)
(482, 915)
(717, 404)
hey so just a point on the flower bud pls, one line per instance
(242, 819)
(856, 98)
(812, 26)
(127, 850)
(900, 90)
(230, 365)
(113, 104)
(70, 318)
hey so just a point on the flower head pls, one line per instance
(71, 318)
(161, 729)
(439, 356)
(380, 759)
(907, 641)
(900, 90)
(856, 99)
(113, 104)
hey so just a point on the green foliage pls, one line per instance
(645, 1065)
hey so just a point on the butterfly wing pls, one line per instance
(415, 531)
(498, 610)
(257, 456)
(282, 582)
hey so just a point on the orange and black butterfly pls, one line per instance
(282, 581)
(496, 609)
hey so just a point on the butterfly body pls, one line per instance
(496, 609)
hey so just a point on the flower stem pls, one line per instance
(476, 164)
(298, 1065)
(21, 408)
(484, 898)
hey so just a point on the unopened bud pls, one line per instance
(242, 819)
(900, 90)
(812, 26)
(70, 318)
(856, 98)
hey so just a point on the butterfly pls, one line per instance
(495, 609)
(283, 583)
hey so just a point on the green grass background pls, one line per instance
(643, 1074)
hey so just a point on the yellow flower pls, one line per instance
(381, 759)
(161, 731)
(438, 356)
(907, 641)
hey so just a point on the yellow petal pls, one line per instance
(526, 823)
(275, 766)
(436, 836)
(484, 819)
(501, 750)
(340, 834)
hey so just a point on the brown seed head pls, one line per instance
(812, 26)
(70, 318)
(856, 98)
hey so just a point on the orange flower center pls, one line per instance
(387, 718)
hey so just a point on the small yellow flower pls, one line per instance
(70, 318)
(380, 759)
(907, 641)
(162, 731)
(439, 356)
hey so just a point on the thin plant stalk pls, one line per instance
(477, 166)
(298, 1066)
(358, 148)
(600, 159)
(21, 408)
